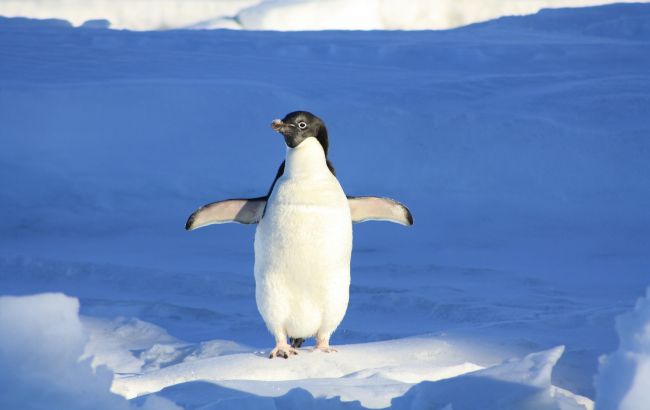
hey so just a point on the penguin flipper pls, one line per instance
(373, 208)
(243, 211)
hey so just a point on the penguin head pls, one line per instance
(297, 126)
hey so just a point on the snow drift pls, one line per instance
(623, 381)
(40, 367)
(283, 14)
(371, 375)
(127, 14)
(388, 14)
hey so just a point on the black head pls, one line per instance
(297, 126)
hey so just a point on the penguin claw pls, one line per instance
(283, 352)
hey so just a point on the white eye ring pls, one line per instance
(302, 125)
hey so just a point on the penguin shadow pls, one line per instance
(209, 396)
(486, 394)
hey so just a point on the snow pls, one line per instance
(624, 376)
(42, 341)
(520, 145)
(127, 14)
(388, 14)
(283, 14)
(372, 373)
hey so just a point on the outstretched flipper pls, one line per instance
(373, 208)
(243, 211)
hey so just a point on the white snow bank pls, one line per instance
(623, 381)
(516, 384)
(41, 342)
(284, 14)
(131, 345)
(126, 14)
(389, 14)
(373, 374)
(111, 343)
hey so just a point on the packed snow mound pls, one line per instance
(355, 372)
(624, 378)
(516, 384)
(41, 368)
(111, 343)
(42, 341)
(376, 375)
(130, 345)
(282, 14)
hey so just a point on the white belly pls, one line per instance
(302, 257)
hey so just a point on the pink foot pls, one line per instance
(325, 348)
(282, 350)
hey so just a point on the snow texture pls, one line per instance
(42, 341)
(130, 14)
(624, 376)
(388, 14)
(282, 14)
(520, 145)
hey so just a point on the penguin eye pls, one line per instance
(302, 125)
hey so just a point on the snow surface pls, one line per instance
(388, 14)
(129, 14)
(284, 14)
(520, 145)
(42, 341)
(624, 376)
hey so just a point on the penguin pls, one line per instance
(303, 239)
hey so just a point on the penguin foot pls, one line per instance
(324, 349)
(283, 351)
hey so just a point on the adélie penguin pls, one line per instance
(303, 240)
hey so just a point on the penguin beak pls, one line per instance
(277, 125)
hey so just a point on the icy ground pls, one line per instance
(283, 14)
(521, 146)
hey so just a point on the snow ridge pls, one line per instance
(624, 376)
(283, 14)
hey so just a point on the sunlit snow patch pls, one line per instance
(374, 374)
(284, 14)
